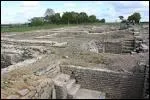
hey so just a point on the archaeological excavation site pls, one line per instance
(79, 62)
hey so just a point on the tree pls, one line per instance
(36, 21)
(49, 12)
(76, 16)
(121, 17)
(58, 18)
(92, 18)
(135, 17)
(66, 17)
(54, 19)
(102, 20)
(83, 17)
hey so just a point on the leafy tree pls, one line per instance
(121, 17)
(66, 17)
(36, 21)
(49, 12)
(54, 19)
(76, 16)
(102, 20)
(58, 18)
(92, 18)
(130, 18)
(135, 17)
(83, 17)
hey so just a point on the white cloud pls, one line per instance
(30, 3)
(110, 10)
(145, 3)
(97, 2)
(30, 9)
(69, 4)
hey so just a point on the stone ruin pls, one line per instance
(34, 67)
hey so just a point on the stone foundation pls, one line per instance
(114, 84)
(43, 89)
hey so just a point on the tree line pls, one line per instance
(76, 18)
(134, 18)
(66, 18)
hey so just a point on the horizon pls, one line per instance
(22, 11)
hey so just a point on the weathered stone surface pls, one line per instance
(31, 94)
(13, 97)
(23, 92)
(89, 94)
(113, 83)
(38, 88)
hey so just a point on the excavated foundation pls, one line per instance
(85, 62)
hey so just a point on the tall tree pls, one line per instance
(83, 17)
(135, 17)
(66, 17)
(92, 18)
(49, 12)
(76, 15)
(102, 20)
(121, 17)
(36, 21)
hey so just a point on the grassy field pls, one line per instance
(29, 28)
(23, 28)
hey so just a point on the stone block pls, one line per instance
(23, 92)
(13, 97)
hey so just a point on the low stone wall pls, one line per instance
(42, 89)
(97, 46)
(111, 47)
(21, 64)
(33, 42)
(116, 85)
(146, 83)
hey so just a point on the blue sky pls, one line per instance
(22, 11)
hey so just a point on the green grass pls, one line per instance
(23, 28)
(27, 28)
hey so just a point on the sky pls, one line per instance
(22, 11)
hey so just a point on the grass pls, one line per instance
(23, 28)
(27, 28)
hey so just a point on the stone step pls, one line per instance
(52, 73)
(34, 42)
(89, 94)
(128, 44)
(63, 76)
(73, 90)
(127, 48)
(61, 79)
(11, 51)
(70, 83)
(128, 40)
(126, 51)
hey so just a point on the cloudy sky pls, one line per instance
(22, 11)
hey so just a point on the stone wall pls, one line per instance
(146, 83)
(115, 84)
(97, 46)
(42, 89)
(111, 47)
